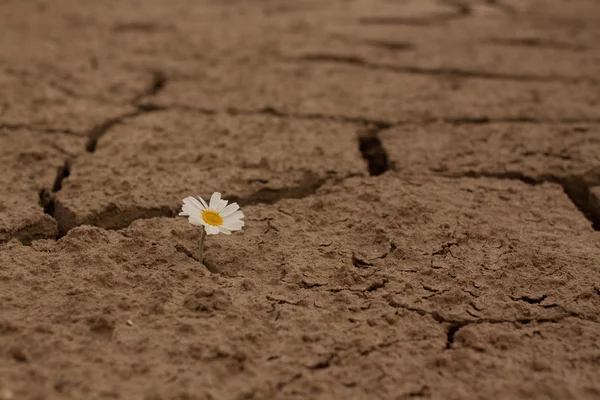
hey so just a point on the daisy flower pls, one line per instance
(215, 217)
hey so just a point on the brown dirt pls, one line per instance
(421, 181)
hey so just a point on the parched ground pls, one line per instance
(420, 178)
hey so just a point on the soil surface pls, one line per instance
(420, 179)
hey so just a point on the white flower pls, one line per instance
(216, 217)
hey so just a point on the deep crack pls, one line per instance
(372, 150)
(311, 182)
(66, 219)
(157, 83)
(451, 332)
(47, 201)
(100, 130)
(408, 21)
(114, 217)
(508, 175)
(530, 300)
(47, 198)
(62, 173)
(578, 188)
(323, 364)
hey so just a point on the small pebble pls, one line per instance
(129, 322)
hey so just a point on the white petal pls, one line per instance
(196, 220)
(188, 209)
(224, 230)
(211, 230)
(215, 200)
(203, 203)
(233, 225)
(194, 203)
(187, 200)
(190, 206)
(230, 209)
(234, 217)
(221, 206)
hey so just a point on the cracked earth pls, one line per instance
(420, 178)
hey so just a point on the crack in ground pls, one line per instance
(509, 120)
(374, 123)
(18, 126)
(157, 84)
(322, 364)
(461, 10)
(370, 144)
(62, 173)
(507, 175)
(98, 131)
(47, 197)
(271, 111)
(372, 286)
(281, 385)
(451, 332)
(532, 42)
(311, 182)
(530, 300)
(437, 72)
(456, 324)
(114, 218)
(372, 150)
(578, 188)
(389, 45)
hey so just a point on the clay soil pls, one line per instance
(420, 179)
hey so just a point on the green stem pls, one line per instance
(201, 245)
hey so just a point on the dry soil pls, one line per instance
(420, 179)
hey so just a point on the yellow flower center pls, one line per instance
(212, 218)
